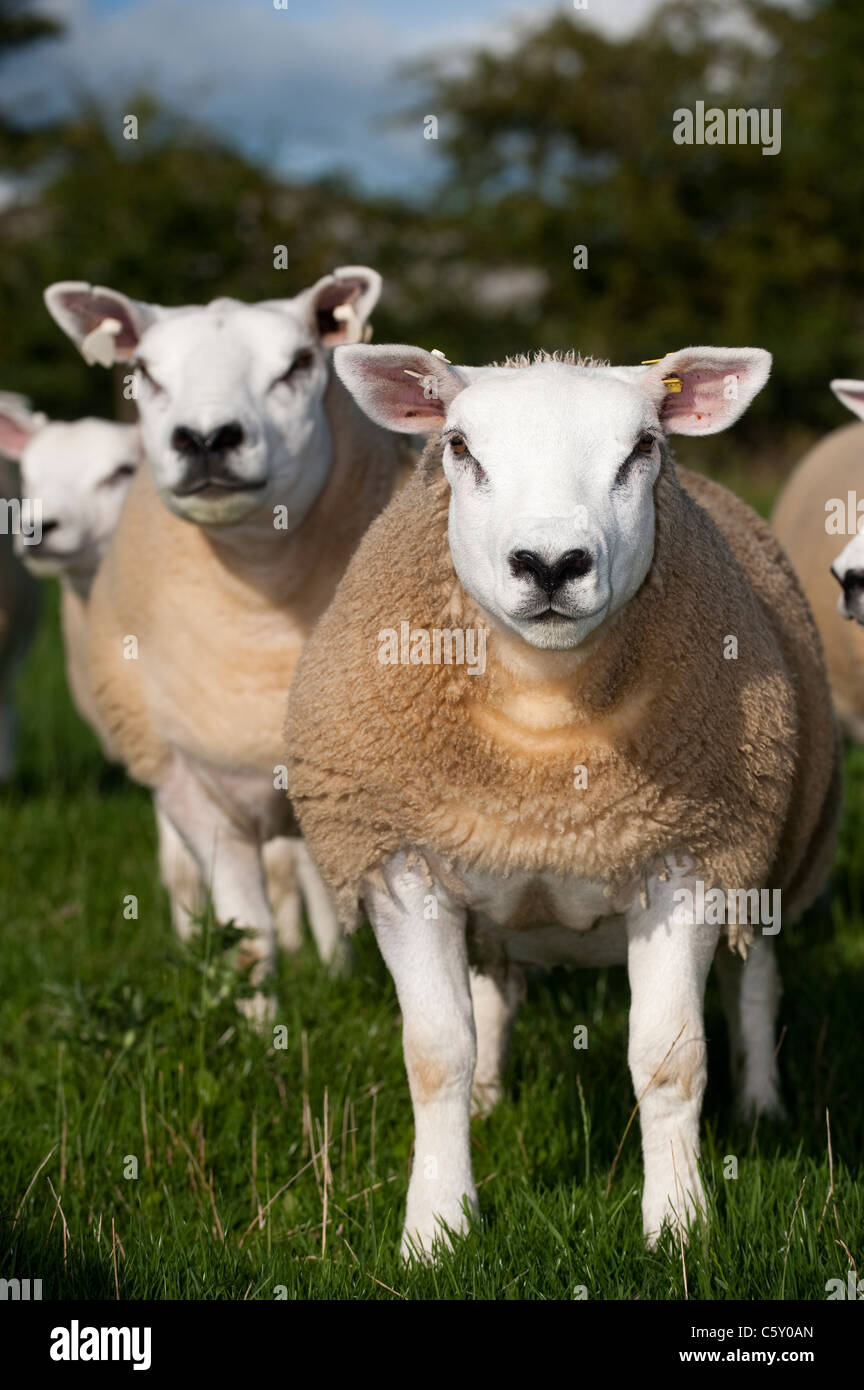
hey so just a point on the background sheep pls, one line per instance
(615, 754)
(817, 517)
(195, 628)
(78, 472)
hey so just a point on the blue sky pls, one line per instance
(309, 88)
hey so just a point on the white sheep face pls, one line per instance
(552, 469)
(230, 395)
(78, 473)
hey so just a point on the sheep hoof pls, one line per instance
(662, 1225)
(259, 1010)
(428, 1234)
(485, 1095)
(763, 1103)
(340, 961)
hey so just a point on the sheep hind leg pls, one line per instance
(333, 946)
(496, 994)
(750, 991)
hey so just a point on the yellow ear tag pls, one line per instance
(347, 314)
(100, 343)
(672, 383)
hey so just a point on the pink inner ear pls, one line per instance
(14, 436)
(89, 309)
(411, 393)
(701, 398)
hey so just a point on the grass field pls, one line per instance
(265, 1173)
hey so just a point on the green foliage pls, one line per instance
(559, 137)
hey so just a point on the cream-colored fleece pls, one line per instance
(731, 762)
(217, 643)
(831, 470)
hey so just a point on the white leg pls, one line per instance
(668, 958)
(751, 992)
(181, 876)
(283, 891)
(231, 864)
(496, 995)
(429, 964)
(323, 922)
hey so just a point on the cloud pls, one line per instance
(306, 88)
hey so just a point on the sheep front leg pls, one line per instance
(181, 876)
(283, 891)
(668, 959)
(428, 960)
(230, 862)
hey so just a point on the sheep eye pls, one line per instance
(302, 362)
(141, 368)
(645, 444)
(123, 470)
(458, 445)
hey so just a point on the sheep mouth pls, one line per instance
(213, 488)
(42, 552)
(552, 615)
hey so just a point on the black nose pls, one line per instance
(207, 459)
(48, 526)
(192, 444)
(573, 564)
(852, 581)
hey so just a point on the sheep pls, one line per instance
(816, 509)
(262, 476)
(19, 594)
(78, 472)
(649, 722)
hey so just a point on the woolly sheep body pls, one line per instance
(830, 471)
(352, 719)
(214, 651)
(261, 476)
(446, 803)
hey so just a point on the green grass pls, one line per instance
(116, 1042)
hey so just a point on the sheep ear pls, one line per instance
(338, 306)
(702, 390)
(104, 325)
(18, 424)
(401, 388)
(851, 393)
